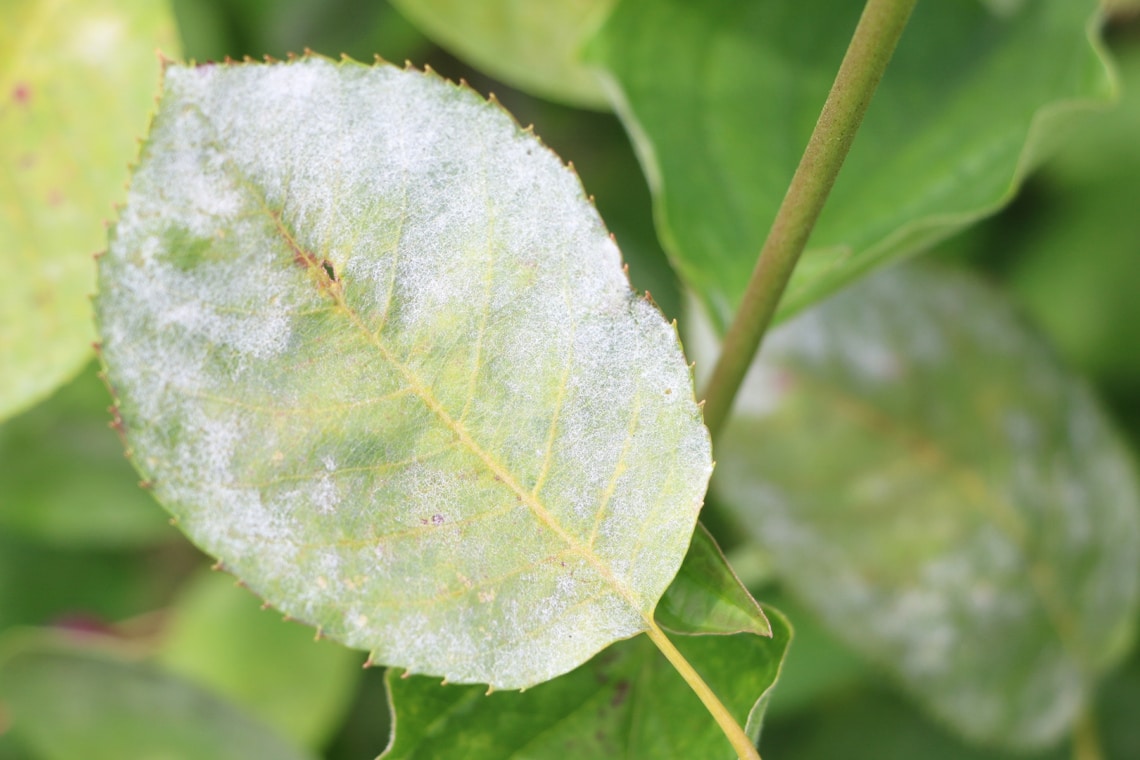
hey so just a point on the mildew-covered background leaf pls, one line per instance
(376, 353)
(63, 701)
(217, 635)
(77, 80)
(720, 98)
(533, 46)
(945, 497)
(626, 702)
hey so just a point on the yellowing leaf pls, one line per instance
(77, 79)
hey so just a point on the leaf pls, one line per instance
(875, 724)
(626, 702)
(376, 353)
(531, 46)
(68, 123)
(706, 597)
(1085, 303)
(65, 702)
(944, 497)
(218, 637)
(65, 479)
(720, 98)
(42, 584)
(817, 668)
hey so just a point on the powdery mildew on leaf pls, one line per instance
(377, 353)
(944, 496)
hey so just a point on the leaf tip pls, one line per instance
(490, 690)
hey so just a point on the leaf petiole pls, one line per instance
(744, 746)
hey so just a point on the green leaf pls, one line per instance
(816, 669)
(944, 497)
(720, 98)
(42, 584)
(77, 79)
(875, 724)
(706, 597)
(626, 702)
(65, 702)
(530, 46)
(218, 636)
(65, 479)
(376, 353)
(1089, 194)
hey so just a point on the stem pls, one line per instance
(871, 48)
(745, 748)
(1086, 741)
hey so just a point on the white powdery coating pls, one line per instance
(984, 543)
(477, 453)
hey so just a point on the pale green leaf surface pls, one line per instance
(63, 478)
(219, 636)
(66, 702)
(720, 98)
(77, 80)
(533, 46)
(706, 597)
(626, 702)
(944, 497)
(376, 352)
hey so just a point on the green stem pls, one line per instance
(1086, 741)
(871, 48)
(744, 747)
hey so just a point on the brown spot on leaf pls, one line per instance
(621, 693)
(21, 94)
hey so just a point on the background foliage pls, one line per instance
(84, 551)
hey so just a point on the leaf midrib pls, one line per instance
(314, 268)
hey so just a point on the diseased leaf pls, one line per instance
(217, 636)
(944, 497)
(376, 353)
(65, 702)
(77, 79)
(64, 479)
(720, 98)
(531, 46)
(626, 702)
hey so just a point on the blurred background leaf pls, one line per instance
(944, 497)
(77, 80)
(66, 701)
(531, 46)
(65, 479)
(219, 635)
